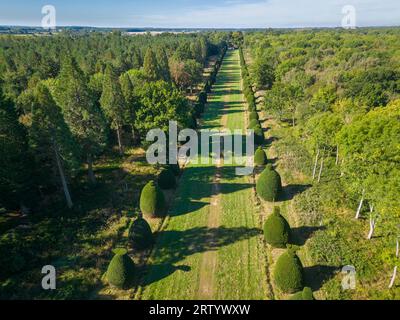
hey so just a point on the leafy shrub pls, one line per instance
(277, 230)
(306, 294)
(288, 272)
(166, 179)
(269, 185)
(121, 271)
(260, 157)
(140, 234)
(152, 201)
(253, 116)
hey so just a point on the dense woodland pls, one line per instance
(337, 93)
(75, 109)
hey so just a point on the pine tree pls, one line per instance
(131, 102)
(54, 147)
(150, 65)
(80, 111)
(15, 160)
(163, 64)
(112, 102)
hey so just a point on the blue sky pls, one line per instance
(204, 13)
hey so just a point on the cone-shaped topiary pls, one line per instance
(253, 116)
(152, 201)
(166, 179)
(269, 185)
(277, 230)
(253, 124)
(288, 272)
(306, 294)
(260, 157)
(121, 270)
(140, 234)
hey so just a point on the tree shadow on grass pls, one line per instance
(300, 235)
(173, 247)
(290, 191)
(316, 276)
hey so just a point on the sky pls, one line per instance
(201, 14)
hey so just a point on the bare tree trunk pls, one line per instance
(337, 154)
(372, 225)
(397, 248)
(62, 177)
(393, 278)
(316, 164)
(92, 178)
(321, 169)
(360, 205)
(120, 146)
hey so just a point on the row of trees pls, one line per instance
(67, 113)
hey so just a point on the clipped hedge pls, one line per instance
(166, 179)
(152, 201)
(121, 271)
(140, 234)
(277, 230)
(306, 294)
(269, 184)
(288, 272)
(260, 157)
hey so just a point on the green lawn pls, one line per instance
(227, 231)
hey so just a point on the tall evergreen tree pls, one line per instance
(131, 102)
(113, 103)
(15, 160)
(150, 65)
(163, 64)
(81, 113)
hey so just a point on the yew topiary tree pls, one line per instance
(140, 234)
(260, 157)
(269, 185)
(152, 201)
(306, 294)
(121, 270)
(277, 230)
(254, 124)
(288, 272)
(253, 115)
(166, 180)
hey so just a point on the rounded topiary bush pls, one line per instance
(140, 234)
(306, 294)
(269, 185)
(121, 270)
(277, 230)
(253, 116)
(152, 201)
(288, 272)
(260, 157)
(166, 179)
(254, 124)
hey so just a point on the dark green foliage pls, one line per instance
(277, 230)
(203, 98)
(258, 135)
(166, 179)
(288, 272)
(121, 271)
(260, 157)
(152, 201)
(269, 185)
(140, 234)
(174, 168)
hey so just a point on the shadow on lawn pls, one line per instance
(174, 246)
